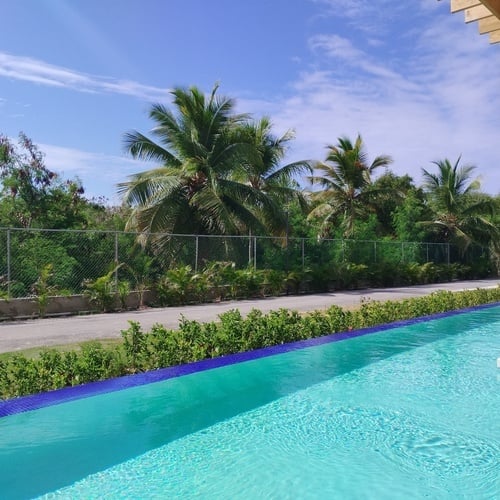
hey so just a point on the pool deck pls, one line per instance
(18, 335)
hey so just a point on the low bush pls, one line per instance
(194, 341)
(102, 292)
(222, 280)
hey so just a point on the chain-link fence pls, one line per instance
(76, 257)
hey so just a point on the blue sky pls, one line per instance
(412, 79)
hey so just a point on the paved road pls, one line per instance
(58, 331)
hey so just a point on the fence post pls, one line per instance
(8, 263)
(250, 247)
(286, 243)
(196, 254)
(303, 255)
(448, 252)
(255, 253)
(427, 245)
(116, 260)
(375, 251)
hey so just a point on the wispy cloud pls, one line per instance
(42, 73)
(335, 46)
(365, 15)
(353, 59)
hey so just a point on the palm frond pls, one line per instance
(143, 148)
(146, 187)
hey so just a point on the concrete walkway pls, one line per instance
(58, 331)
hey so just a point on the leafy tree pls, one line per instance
(194, 188)
(25, 179)
(346, 182)
(390, 191)
(407, 216)
(32, 195)
(31, 253)
(461, 214)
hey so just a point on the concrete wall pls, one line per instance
(61, 305)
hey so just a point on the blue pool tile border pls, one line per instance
(66, 394)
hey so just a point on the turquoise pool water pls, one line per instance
(410, 412)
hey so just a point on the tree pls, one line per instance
(265, 172)
(461, 214)
(193, 190)
(32, 195)
(390, 192)
(407, 216)
(345, 179)
(25, 179)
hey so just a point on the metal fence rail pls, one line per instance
(77, 256)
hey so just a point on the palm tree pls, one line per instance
(345, 179)
(461, 214)
(264, 171)
(192, 190)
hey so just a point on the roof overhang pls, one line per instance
(485, 12)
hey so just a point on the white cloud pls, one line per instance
(367, 16)
(355, 60)
(42, 73)
(336, 46)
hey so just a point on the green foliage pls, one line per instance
(94, 362)
(216, 172)
(24, 178)
(32, 254)
(221, 280)
(217, 281)
(246, 283)
(123, 290)
(406, 218)
(134, 344)
(347, 191)
(218, 275)
(461, 213)
(349, 275)
(141, 271)
(53, 370)
(176, 286)
(42, 289)
(235, 184)
(4, 294)
(102, 291)
(273, 282)
(390, 192)
(322, 277)
(32, 195)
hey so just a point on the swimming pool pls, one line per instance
(401, 412)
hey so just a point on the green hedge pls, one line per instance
(194, 341)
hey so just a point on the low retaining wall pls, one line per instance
(62, 305)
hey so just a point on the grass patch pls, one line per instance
(34, 352)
